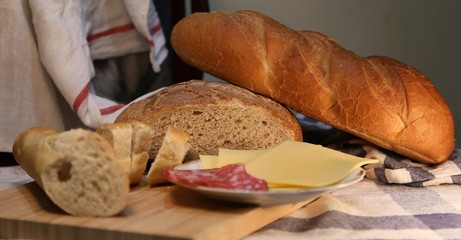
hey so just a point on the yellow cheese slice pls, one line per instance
(208, 161)
(230, 156)
(303, 164)
(291, 165)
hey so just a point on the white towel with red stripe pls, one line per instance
(72, 33)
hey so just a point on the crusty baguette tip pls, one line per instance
(77, 170)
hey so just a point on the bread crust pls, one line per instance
(379, 99)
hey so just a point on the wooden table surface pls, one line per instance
(168, 212)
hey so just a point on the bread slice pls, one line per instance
(119, 136)
(171, 153)
(142, 139)
(214, 115)
(77, 169)
(131, 142)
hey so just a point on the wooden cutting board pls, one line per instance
(166, 212)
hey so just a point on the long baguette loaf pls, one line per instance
(376, 98)
(77, 169)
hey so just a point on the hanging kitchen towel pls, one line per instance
(72, 33)
(397, 169)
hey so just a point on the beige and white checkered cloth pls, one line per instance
(397, 169)
(373, 210)
(399, 199)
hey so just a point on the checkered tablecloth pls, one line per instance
(398, 199)
(374, 210)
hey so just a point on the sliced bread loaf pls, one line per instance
(214, 115)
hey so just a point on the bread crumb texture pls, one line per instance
(225, 126)
(85, 180)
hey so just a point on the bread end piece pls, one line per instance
(171, 153)
(77, 169)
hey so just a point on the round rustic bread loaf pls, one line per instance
(215, 115)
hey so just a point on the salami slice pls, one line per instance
(232, 176)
